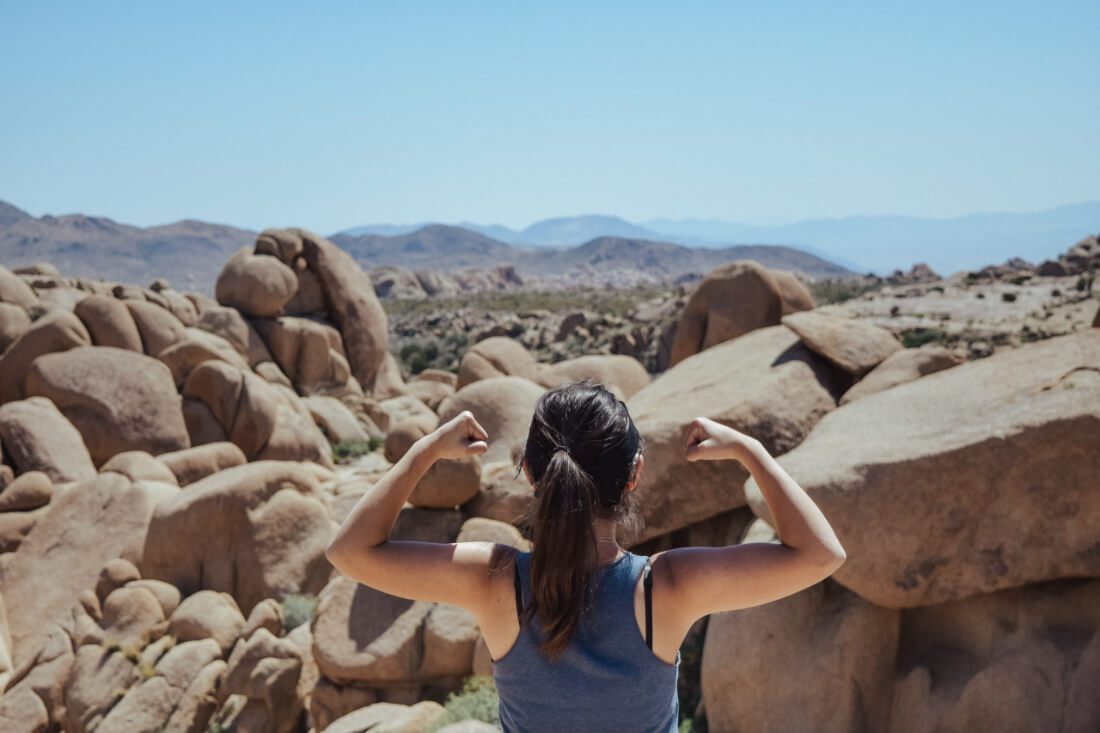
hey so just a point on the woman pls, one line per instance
(569, 623)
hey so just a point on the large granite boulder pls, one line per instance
(195, 347)
(311, 353)
(901, 367)
(503, 406)
(756, 675)
(855, 346)
(159, 327)
(256, 285)
(37, 437)
(974, 479)
(58, 330)
(766, 384)
(13, 322)
(97, 520)
(119, 400)
(730, 301)
(14, 290)
(621, 374)
(109, 322)
(497, 356)
(254, 531)
(238, 331)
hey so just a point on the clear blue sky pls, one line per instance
(328, 115)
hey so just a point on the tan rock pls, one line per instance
(37, 437)
(331, 703)
(395, 282)
(192, 464)
(483, 660)
(14, 321)
(617, 372)
(138, 465)
(116, 573)
(109, 322)
(100, 677)
(28, 491)
(82, 528)
(202, 427)
(468, 726)
(302, 638)
(255, 531)
(855, 346)
(388, 382)
(924, 482)
(180, 306)
(265, 615)
(131, 615)
(366, 718)
(229, 324)
(448, 483)
(309, 298)
(1020, 659)
(310, 352)
(503, 406)
(794, 294)
(335, 419)
(730, 301)
(844, 634)
(429, 391)
(14, 290)
(199, 700)
(424, 715)
(15, 526)
(352, 304)
(361, 634)
(778, 390)
(450, 635)
(117, 399)
(503, 496)
(481, 529)
(266, 668)
(1096, 319)
(396, 409)
(42, 678)
(22, 711)
(441, 376)
(403, 433)
(167, 595)
(58, 330)
(903, 366)
(498, 356)
(207, 614)
(195, 347)
(256, 285)
(159, 327)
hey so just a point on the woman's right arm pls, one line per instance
(706, 580)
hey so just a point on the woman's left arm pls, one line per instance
(451, 573)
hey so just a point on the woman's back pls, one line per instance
(606, 679)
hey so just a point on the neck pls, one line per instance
(606, 544)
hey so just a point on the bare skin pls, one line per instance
(688, 583)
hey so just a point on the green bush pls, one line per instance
(477, 700)
(342, 450)
(1008, 297)
(834, 290)
(297, 610)
(917, 337)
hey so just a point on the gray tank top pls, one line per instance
(607, 679)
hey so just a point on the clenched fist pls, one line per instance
(707, 440)
(459, 437)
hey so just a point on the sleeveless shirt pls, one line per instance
(607, 679)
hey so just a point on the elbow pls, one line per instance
(834, 557)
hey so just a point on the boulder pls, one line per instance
(366, 718)
(256, 285)
(192, 464)
(363, 635)
(766, 384)
(758, 656)
(404, 433)
(903, 366)
(343, 709)
(117, 399)
(794, 294)
(624, 375)
(264, 420)
(955, 484)
(308, 351)
(349, 295)
(450, 635)
(13, 322)
(100, 677)
(1021, 659)
(109, 322)
(335, 419)
(265, 615)
(854, 345)
(442, 376)
(29, 490)
(431, 392)
(497, 356)
(388, 383)
(395, 282)
(131, 615)
(37, 437)
(729, 302)
(503, 406)
(179, 305)
(167, 595)
(468, 726)
(158, 327)
(395, 409)
(38, 693)
(56, 331)
(138, 465)
(195, 347)
(238, 331)
(309, 298)
(97, 520)
(448, 483)
(15, 526)
(254, 531)
(207, 614)
(266, 668)
(14, 290)
(202, 427)
(1096, 319)
(1051, 268)
(116, 573)
(504, 495)
(481, 529)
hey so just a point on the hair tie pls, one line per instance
(559, 446)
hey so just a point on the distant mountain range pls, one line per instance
(190, 254)
(863, 243)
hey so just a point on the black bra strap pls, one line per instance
(647, 586)
(519, 591)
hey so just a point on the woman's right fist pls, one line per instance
(707, 440)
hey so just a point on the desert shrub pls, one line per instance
(917, 337)
(1008, 297)
(477, 700)
(297, 610)
(342, 450)
(838, 290)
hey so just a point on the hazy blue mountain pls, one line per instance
(570, 231)
(385, 230)
(498, 232)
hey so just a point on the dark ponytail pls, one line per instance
(580, 453)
